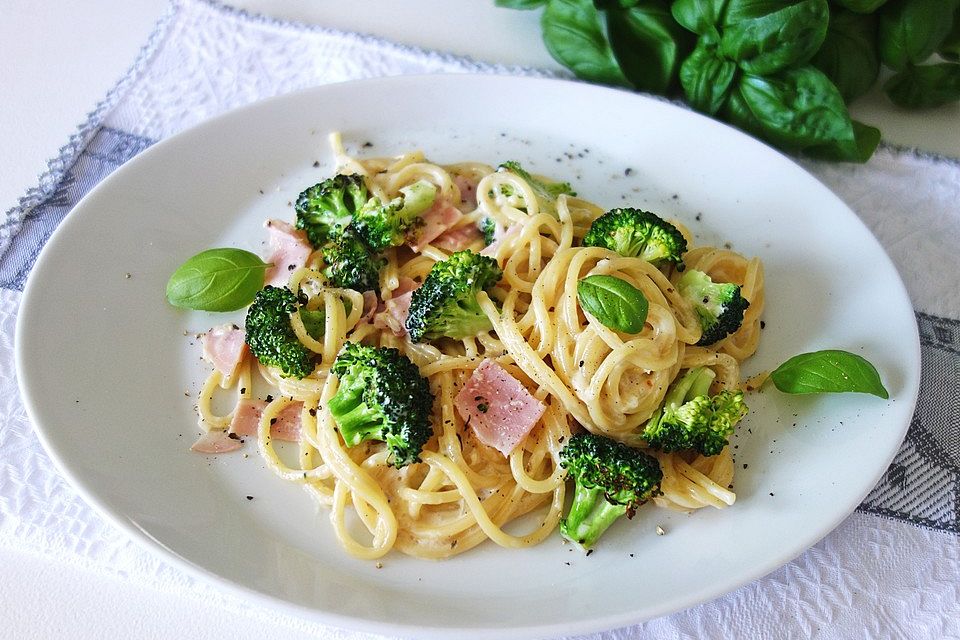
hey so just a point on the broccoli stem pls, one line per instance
(695, 382)
(590, 515)
(355, 419)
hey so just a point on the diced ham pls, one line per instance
(289, 250)
(215, 442)
(369, 306)
(468, 191)
(500, 238)
(437, 219)
(394, 314)
(246, 420)
(497, 407)
(459, 238)
(404, 285)
(224, 347)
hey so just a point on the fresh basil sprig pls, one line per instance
(925, 86)
(830, 371)
(217, 280)
(614, 302)
(755, 62)
(849, 53)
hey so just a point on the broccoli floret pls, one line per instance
(692, 419)
(546, 192)
(488, 227)
(445, 305)
(638, 233)
(325, 209)
(270, 334)
(611, 479)
(390, 224)
(718, 305)
(351, 264)
(382, 396)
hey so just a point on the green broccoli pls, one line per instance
(638, 233)
(718, 305)
(546, 192)
(691, 419)
(445, 305)
(351, 264)
(611, 479)
(488, 228)
(382, 396)
(270, 335)
(326, 208)
(390, 224)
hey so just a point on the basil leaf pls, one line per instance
(699, 16)
(706, 78)
(766, 36)
(950, 47)
(574, 37)
(217, 280)
(519, 4)
(615, 303)
(849, 54)
(925, 87)
(647, 44)
(830, 371)
(861, 6)
(911, 30)
(796, 109)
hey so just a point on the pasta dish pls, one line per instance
(581, 323)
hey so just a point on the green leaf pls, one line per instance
(647, 44)
(912, 30)
(796, 109)
(861, 6)
(830, 371)
(519, 4)
(925, 86)
(950, 47)
(766, 36)
(699, 16)
(573, 35)
(615, 303)
(706, 78)
(217, 280)
(849, 54)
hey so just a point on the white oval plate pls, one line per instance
(107, 393)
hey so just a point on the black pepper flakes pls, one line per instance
(249, 497)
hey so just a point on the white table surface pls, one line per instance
(60, 58)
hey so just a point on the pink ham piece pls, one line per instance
(224, 347)
(459, 238)
(393, 314)
(497, 407)
(215, 442)
(468, 191)
(369, 306)
(289, 249)
(246, 420)
(437, 219)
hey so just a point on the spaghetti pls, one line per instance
(587, 375)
